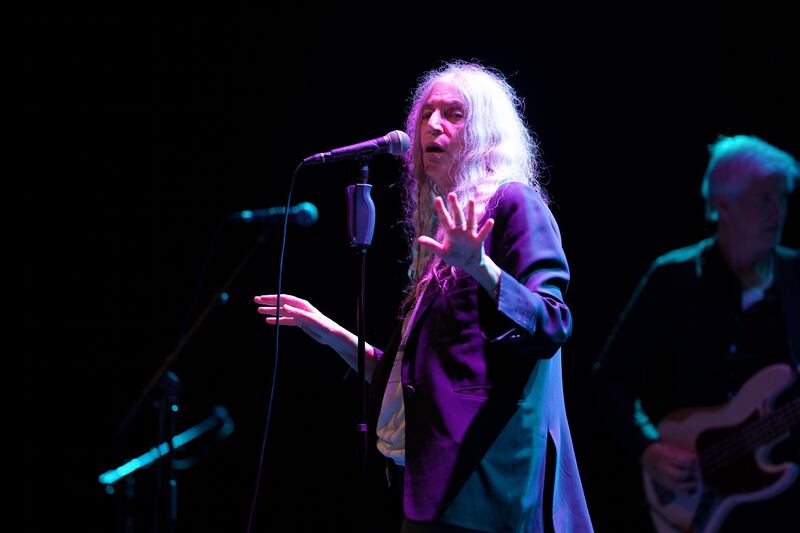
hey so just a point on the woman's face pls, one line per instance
(441, 121)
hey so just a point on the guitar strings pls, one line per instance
(757, 433)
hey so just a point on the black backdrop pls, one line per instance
(141, 134)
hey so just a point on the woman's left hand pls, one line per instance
(462, 245)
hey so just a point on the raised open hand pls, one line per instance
(462, 245)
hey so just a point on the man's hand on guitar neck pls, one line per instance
(672, 467)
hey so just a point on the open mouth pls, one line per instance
(433, 149)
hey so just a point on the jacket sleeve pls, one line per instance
(526, 245)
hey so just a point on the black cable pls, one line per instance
(275, 358)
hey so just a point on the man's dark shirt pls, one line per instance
(684, 341)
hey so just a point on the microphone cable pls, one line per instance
(277, 344)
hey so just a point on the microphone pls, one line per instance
(303, 214)
(395, 142)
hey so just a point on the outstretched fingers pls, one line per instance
(286, 310)
(272, 299)
(471, 214)
(444, 216)
(485, 230)
(458, 213)
(291, 315)
(431, 244)
(285, 321)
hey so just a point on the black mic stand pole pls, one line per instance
(361, 226)
(168, 384)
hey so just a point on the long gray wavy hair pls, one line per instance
(497, 148)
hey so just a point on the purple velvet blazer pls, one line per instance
(482, 386)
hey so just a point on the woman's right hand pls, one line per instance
(298, 312)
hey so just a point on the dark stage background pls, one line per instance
(143, 133)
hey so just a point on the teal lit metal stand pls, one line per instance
(122, 479)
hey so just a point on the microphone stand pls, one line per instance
(361, 226)
(168, 384)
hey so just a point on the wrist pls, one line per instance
(488, 275)
(338, 338)
(344, 341)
